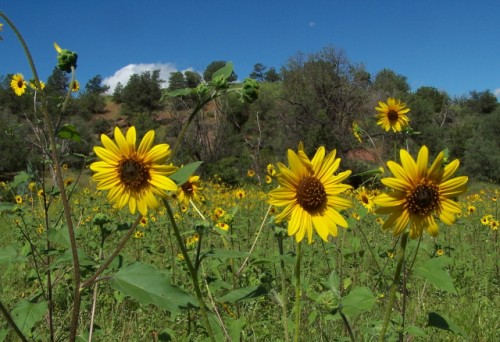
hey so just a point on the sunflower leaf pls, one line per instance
(437, 321)
(69, 132)
(359, 300)
(225, 71)
(182, 175)
(27, 314)
(433, 271)
(245, 293)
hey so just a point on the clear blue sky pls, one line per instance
(453, 45)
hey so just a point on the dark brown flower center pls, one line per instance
(423, 199)
(311, 194)
(365, 199)
(187, 188)
(133, 173)
(392, 115)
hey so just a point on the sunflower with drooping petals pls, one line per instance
(365, 198)
(190, 190)
(309, 192)
(419, 194)
(18, 84)
(133, 175)
(392, 115)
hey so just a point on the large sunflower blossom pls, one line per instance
(419, 194)
(392, 115)
(18, 84)
(309, 192)
(133, 175)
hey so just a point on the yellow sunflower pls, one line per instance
(133, 175)
(19, 199)
(308, 191)
(190, 190)
(365, 198)
(392, 115)
(75, 86)
(18, 84)
(240, 194)
(420, 193)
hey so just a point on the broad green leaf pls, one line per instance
(69, 132)
(6, 206)
(179, 92)
(225, 71)
(333, 282)
(27, 314)
(3, 334)
(10, 254)
(67, 259)
(437, 321)
(432, 271)
(245, 293)
(21, 177)
(60, 236)
(149, 285)
(182, 175)
(224, 254)
(235, 327)
(359, 300)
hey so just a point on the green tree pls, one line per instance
(95, 86)
(271, 75)
(483, 102)
(176, 81)
(193, 79)
(93, 100)
(117, 93)
(258, 72)
(213, 67)
(142, 94)
(391, 84)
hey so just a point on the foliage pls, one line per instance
(142, 94)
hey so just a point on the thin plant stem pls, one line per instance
(11, 322)
(297, 294)
(347, 325)
(284, 295)
(108, 261)
(395, 284)
(192, 271)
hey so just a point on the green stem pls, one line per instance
(297, 294)
(60, 183)
(192, 271)
(284, 295)
(347, 325)
(395, 285)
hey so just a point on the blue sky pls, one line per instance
(453, 45)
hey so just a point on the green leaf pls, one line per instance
(10, 254)
(69, 132)
(6, 206)
(3, 334)
(359, 300)
(225, 71)
(432, 271)
(245, 293)
(149, 285)
(224, 254)
(235, 327)
(27, 314)
(20, 178)
(437, 321)
(60, 236)
(182, 175)
(179, 92)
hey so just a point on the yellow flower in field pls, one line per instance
(420, 193)
(34, 87)
(18, 84)
(440, 252)
(240, 194)
(494, 224)
(19, 199)
(271, 170)
(138, 234)
(485, 221)
(184, 208)
(392, 115)
(218, 213)
(143, 222)
(471, 209)
(356, 216)
(133, 175)
(68, 181)
(75, 86)
(269, 179)
(40, 193)
(365, 198)
(32, 186)
(308, 191)
(250, 173)
(494, 198)
(190, 190)
(223, 226)
(356, 131)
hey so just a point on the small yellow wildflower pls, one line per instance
(19, 199)
(471, 209)
(75, 86)
(250, 173)
(32, 186)
(18, 84)
(223, 226)
(268, 179)
(144, 221)
(271, 170)
(240, 194)
(440, 252)
(494, 224)
(138, 234)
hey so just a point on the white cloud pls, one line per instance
(497, 92)
(122, 75)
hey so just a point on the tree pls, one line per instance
(193, 79)
(92, 100)
(57, 83)
(272, 75)
(213, 67)
(95, 86)
(483, 102)
(176, 81)
(142, 94)
(258, 72)
(117, 93)
(390, 83)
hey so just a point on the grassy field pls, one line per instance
(344, 282)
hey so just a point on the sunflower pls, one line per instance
(250, 173)
(391, 115)
(34, 87)
(190, 190)
(19, 199)
(420, 193)
(439, 252)
(308, 191)
(240, 194)
(133, 175)
(365, 198)
(271, 170)
(75, 86)
(18, 84)
(494, 224)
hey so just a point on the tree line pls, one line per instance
(315, 98)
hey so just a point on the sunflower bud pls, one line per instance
(65, 59)
(249, 91)
(220, 83)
